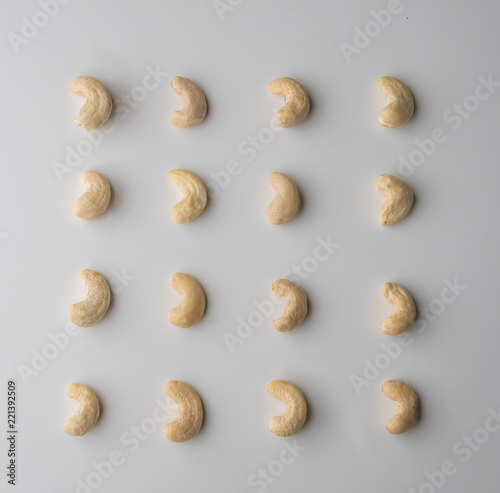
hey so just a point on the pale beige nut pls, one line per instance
(286, 204)
(401, 104)
(398, 199)
(94, 202)
(86, 415)
(195, 104)
(295, 308)
(189, 412)
(404, 312)
(407, 406)
(194, 196)
(296, 101)
(296, 408)
(97, 109)
(96, 303)
(192, 306)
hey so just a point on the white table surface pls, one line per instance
(441, 49)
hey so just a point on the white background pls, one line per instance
(439, 49)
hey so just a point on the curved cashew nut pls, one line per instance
(286, 204)
(192, 306)
(194, 193)
(296, 408)
(401, 105)
(189, 412)
(94, 202)
(86, 415)
(407, 405)
(403, 314)
(296, 305)
(97, 298)
(97, 109)
(195, 104)
(296, 101)
(398, 199)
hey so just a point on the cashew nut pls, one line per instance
(94, 202)
(97, 298)
(86, 415)
(401, 105)
(398, 199)
(97, 109)
(189, 412)
(286, 204)
(296, 305)
(296, 101)
(407, 406)
(194, 196)
(296, 408)
(192, 306)
(195, 104)
(403, 314)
